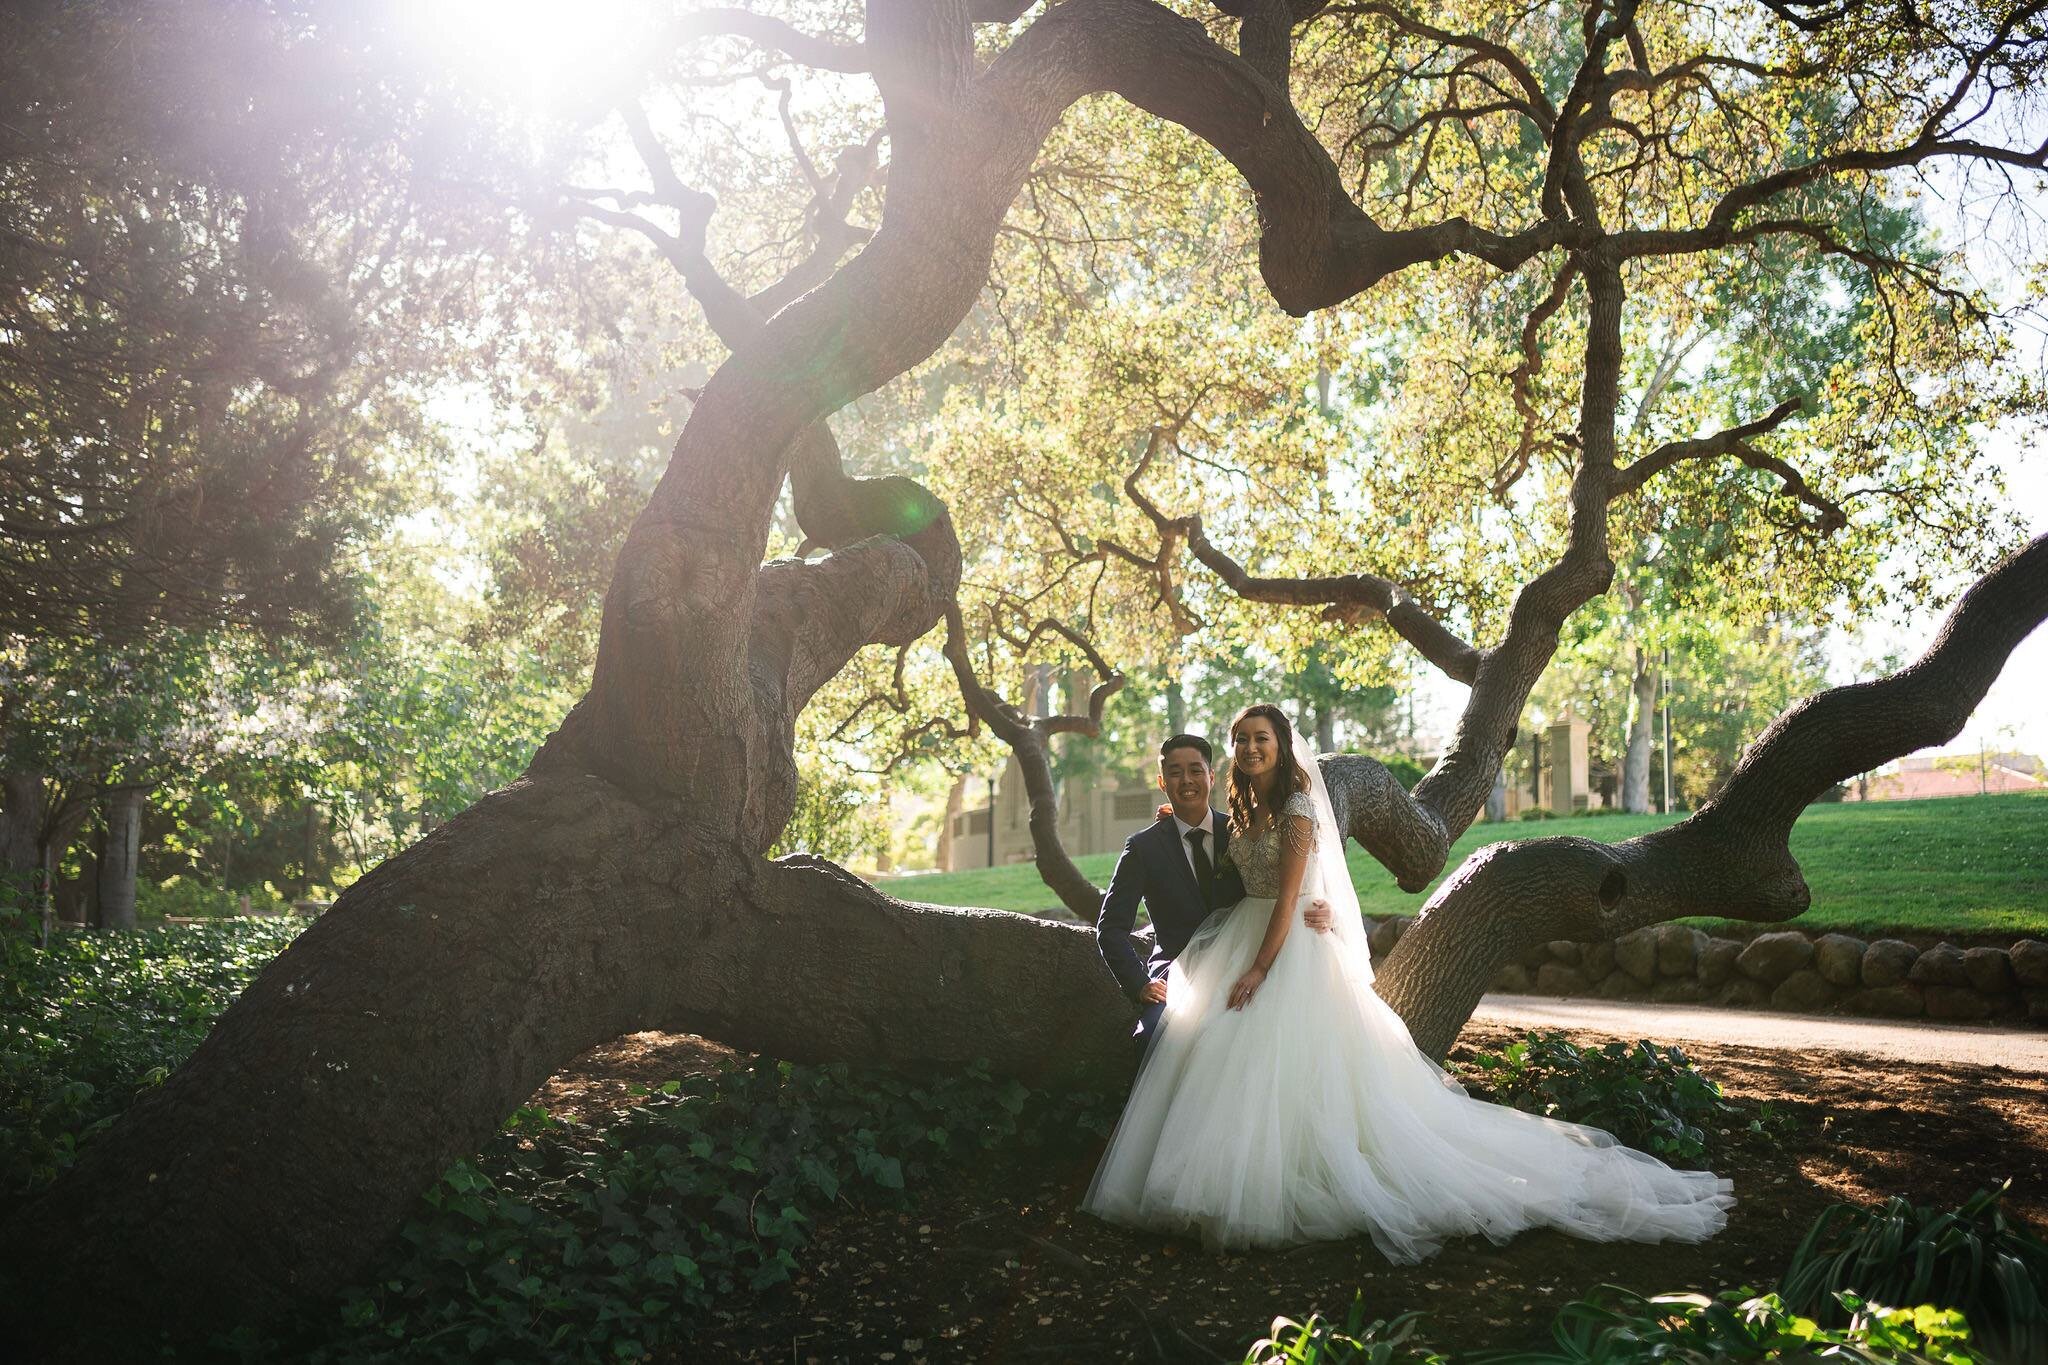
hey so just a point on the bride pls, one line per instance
(1282, 1101)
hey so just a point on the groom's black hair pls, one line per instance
(1195, 742)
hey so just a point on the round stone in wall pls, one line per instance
(2030, 962)
(1618, 986)
(1717, 962)
(1990, 970)
(1839, 958)
(1743, 991)
(1636, 953)
(1804, 991)
(1887, 962)
(1893, 1002)
(1957, 1002)
(1386, 936)
(1941, 965)
(1770, 958)
(1513, 978)
(1678, 949)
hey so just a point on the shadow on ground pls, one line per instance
(996, 1265)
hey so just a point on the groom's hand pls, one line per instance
(1154, 993)
(1317, 917)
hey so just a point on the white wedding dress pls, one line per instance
(1310, 1115)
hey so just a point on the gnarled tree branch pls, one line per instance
(1028, 738)
(1735, 441)
(1346, 597)
(774, 35)
(1731, 859)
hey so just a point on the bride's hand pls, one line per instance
(1247, 986)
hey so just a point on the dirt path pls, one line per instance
(1895, 1040)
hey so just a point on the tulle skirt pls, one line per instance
(1310, 1115)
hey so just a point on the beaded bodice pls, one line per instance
(1257, 856)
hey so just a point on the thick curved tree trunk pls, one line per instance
(621, 886)
(1732, 858)
(436, 996)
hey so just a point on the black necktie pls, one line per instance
(1204, 873)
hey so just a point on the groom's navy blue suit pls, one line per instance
(1154, 867)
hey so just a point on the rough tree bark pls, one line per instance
(21, 824)
(38, 824)
(120, 848)
(620, 885)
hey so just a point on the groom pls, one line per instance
(1172, 867)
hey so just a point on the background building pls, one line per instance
(1929, 775)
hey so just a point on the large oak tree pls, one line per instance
(621, 883)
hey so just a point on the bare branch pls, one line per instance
(775, 36)
(1724, 226)
(1350, 598)
(1028, 740)
(1524, 376)
(1564, 177)
(831, 224)
(1318, 247)
(997, 11)
(1808, 16)
(725, 308)
(1850, 730)
(1735, 441)
(1533, 103)
(831, 508)
(1265, 38)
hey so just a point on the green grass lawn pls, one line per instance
(1967, 865)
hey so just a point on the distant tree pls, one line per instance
(218, 313)
(1727, 683)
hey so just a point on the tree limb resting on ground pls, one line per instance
(1732, 858)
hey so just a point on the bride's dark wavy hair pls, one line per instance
(1287, 774)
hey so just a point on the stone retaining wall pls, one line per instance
(1785, 970)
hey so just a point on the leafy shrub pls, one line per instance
(189, 898)
(1538, 813)
(835, 817)
(1320, 1342)
(560, 1240)
(1405, 770)
(87, 1021)
(1615, 1326)
(1969, 1258)
(1650, 1097)
(566, 1240)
